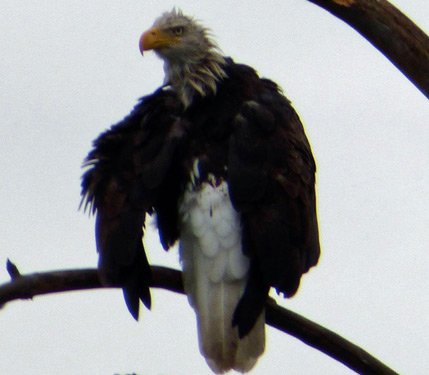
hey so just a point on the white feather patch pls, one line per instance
(218, 269)
(215, 274)
(209, 220)
(209, 243)
(237, 268)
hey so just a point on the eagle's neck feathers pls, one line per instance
(195, 76)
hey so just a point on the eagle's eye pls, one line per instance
(177, 31)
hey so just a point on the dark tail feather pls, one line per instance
(136, 286)
(133, 297)
(251, 304)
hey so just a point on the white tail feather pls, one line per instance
(215, 275)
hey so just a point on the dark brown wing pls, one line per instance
(127, 170)
(272, 176)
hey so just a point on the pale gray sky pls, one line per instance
(69, 69)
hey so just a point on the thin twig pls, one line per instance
(29, 286)
(12, 270)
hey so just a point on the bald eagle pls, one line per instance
(220, 158)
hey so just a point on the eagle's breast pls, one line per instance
(215, 272)
(211, 230)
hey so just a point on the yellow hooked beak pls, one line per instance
(155, 38)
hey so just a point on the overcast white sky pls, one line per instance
(69, 69)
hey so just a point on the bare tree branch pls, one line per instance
(389, 30)
(29, 286)
(325, 340)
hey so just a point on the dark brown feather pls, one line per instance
(247, 134)
(272, 183)
(127, 168)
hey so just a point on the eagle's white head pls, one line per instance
(192, 61)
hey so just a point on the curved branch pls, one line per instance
(389, 30)
(29, 286)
